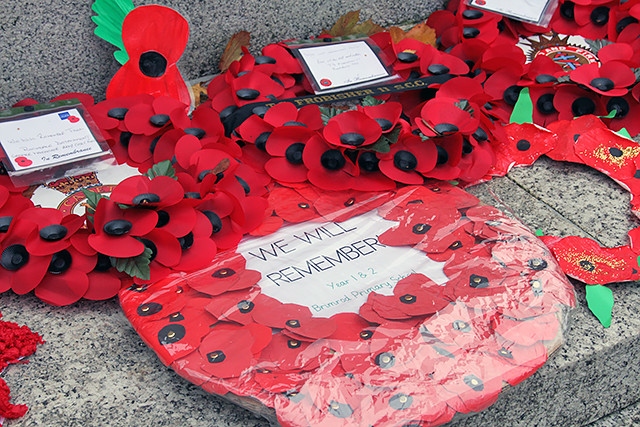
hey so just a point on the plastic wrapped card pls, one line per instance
(47, 141)
(380, 308)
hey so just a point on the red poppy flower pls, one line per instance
(588, 20)
(291, 206)
(544, 113)
(203, 123)
(421, 222)
(408, 52)
(329, 168)
(109, 114)
(568, 132)
(150, 118)
(608, 152)
(408, 159)
(277, 58)
(161, 191)
(151, 67)
(587, 261)
(224, 275)
(454, 237)
(340, 206)
(53, 232)
(445, 116)
(234, 306)
(626, 108)
(352, 129)
(516, 362)
(434, 62)
(387, 115)
(179, 333)
(611, 78)
(572, 101)
(286, 145)
(254, 86)
(227, 352)
(117, 229)
(286, 354)
(67, 281)
(468, 384)
(20, 271)
(521, 145)
(449, 155)
(470, 281)
(415, 295)
(431, 194)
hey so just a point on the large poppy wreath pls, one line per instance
(401, 343)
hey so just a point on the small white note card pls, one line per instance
(48, 139)
(343, 65)
(534, 11)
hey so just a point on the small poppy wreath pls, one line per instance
(421, 353)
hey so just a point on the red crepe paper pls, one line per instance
(16, 343)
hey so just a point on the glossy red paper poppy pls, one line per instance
(142, 191)
(117, 229)
(408, 159)
(444, 116)
(585, 260)
(329, 168)
(521, 145)
(352, 129)
(154, 37)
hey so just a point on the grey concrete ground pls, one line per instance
(95, 371)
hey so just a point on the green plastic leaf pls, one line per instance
(136, 266)
(624, 132)
(369, 101)
(539, 232)
(327, 113)
(109, 17)
(164, 168)
(611, 115)
(93, 197)
(523, 110)
(600, 302)
(383, 144)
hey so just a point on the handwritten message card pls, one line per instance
(48, 139)
(332, 267)
(535, 11)
(339, 65)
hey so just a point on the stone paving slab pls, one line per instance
(95, 370)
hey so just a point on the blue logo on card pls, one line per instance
(64, 116)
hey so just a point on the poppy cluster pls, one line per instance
(422, 354)
(16, 343)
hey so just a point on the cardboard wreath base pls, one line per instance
(401, 307)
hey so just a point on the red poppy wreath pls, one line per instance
(389, 308)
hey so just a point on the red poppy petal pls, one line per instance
(63, 289)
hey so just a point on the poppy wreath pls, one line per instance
(419, 355)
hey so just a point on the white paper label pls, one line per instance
(332, 267)
(525, 10)
(343, 64)
(49, 139)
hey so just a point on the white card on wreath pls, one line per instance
(338, 66)
(534, 11)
